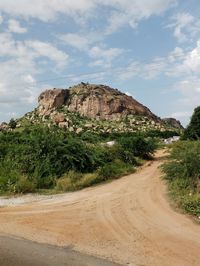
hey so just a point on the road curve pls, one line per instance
(128, 221)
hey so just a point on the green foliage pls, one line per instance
(73, 181)
(12, 124)
(138, 146)
(163, 134)
(183, 174)
(39, 158)
(192, 132)
(24, 185)
(114, 170)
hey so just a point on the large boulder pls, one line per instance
(52, 99)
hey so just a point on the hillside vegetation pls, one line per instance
(62, 143)
(43, 158)
(183, 175)
(182, 171)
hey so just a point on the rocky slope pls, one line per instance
(94, 108)
(93, 101)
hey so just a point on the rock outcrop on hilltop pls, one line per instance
(173, 123)
(52, 99)
(93, 101)
(93, 108)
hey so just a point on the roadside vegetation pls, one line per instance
(41, 158)
(182, 171)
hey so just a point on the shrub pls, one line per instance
(114, 169)
(139, 146)
(89, 179)
(192, 132)
(192, 204)
(69, 181)
(184, 162)
(24, 185)
(183, 174)
(12, 124)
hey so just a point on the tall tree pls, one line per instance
(193, 129)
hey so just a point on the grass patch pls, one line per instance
(73, 181)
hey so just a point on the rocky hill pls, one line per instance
(93, 101)
(95, 108)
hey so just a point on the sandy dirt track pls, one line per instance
(128, 221)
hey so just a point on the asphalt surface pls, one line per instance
(17, 252)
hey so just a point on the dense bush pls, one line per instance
(114, 170)
(192, 132)
(38, 157)
(138, 146)
(183, 174)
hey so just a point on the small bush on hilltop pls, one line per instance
(12, 124)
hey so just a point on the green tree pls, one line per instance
(12, 123)
(193, 130)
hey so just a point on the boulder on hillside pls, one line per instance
(59, 118)
(51, 99)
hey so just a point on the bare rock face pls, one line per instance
(103, 102)
(93, 101)
(173, 122)
(51, 99)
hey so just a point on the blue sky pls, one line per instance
(149, 49)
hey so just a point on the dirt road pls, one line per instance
(128, 221)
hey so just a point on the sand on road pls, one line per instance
(128, 221)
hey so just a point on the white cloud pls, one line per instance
(188, 63)
(189, 90)
(15, 27)
(20, 65)
(110, 54)
(122, 11)
(176, 54)
(131, 12)
(43, 49)
(75, 40)
(104, 57)
(178, 63)
(185, 26)
(31, 50)
(44, 10)
(145, 70)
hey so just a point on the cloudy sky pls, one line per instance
(149, 49)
